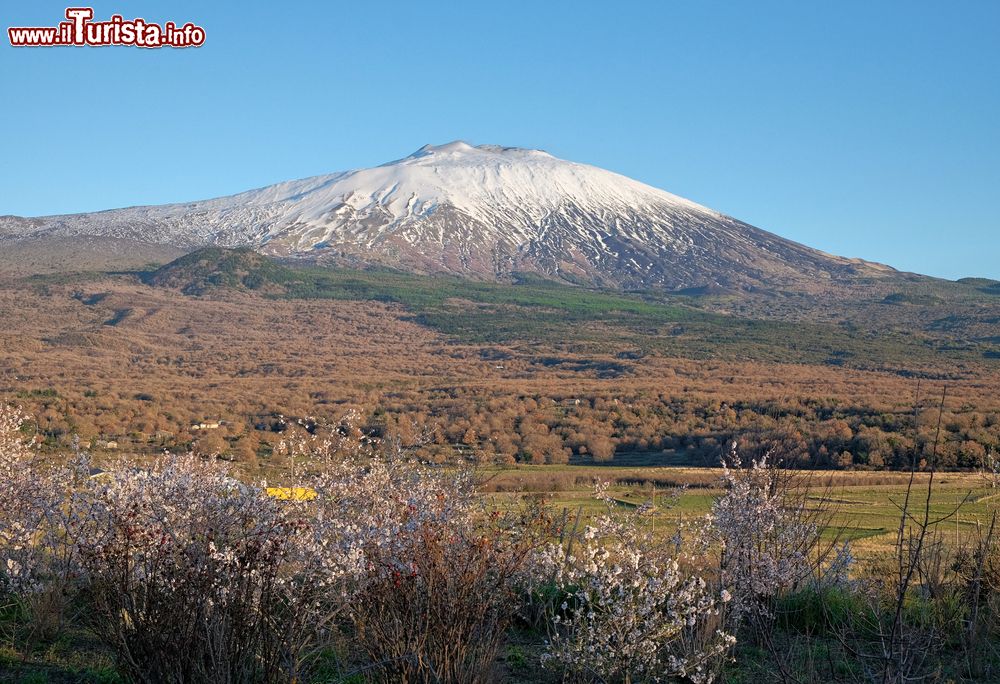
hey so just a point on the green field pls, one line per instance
(864, 506)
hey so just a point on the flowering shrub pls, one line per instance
(766, 536)
(437, 589)
(626, 606)
(194, 576)
(36, 557)
(21, 509)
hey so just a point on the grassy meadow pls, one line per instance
(864, 506)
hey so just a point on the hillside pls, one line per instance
(203, 269)
(526, 371)
(926, 329)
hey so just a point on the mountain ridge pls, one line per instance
(483, 212)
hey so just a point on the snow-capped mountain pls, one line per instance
(483, 212)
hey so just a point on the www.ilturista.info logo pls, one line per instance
(80, 31)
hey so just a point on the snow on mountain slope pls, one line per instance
(483, 212)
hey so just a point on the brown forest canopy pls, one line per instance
(475, 373)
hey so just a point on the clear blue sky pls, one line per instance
(867, 129)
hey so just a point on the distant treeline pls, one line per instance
(807, 433)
